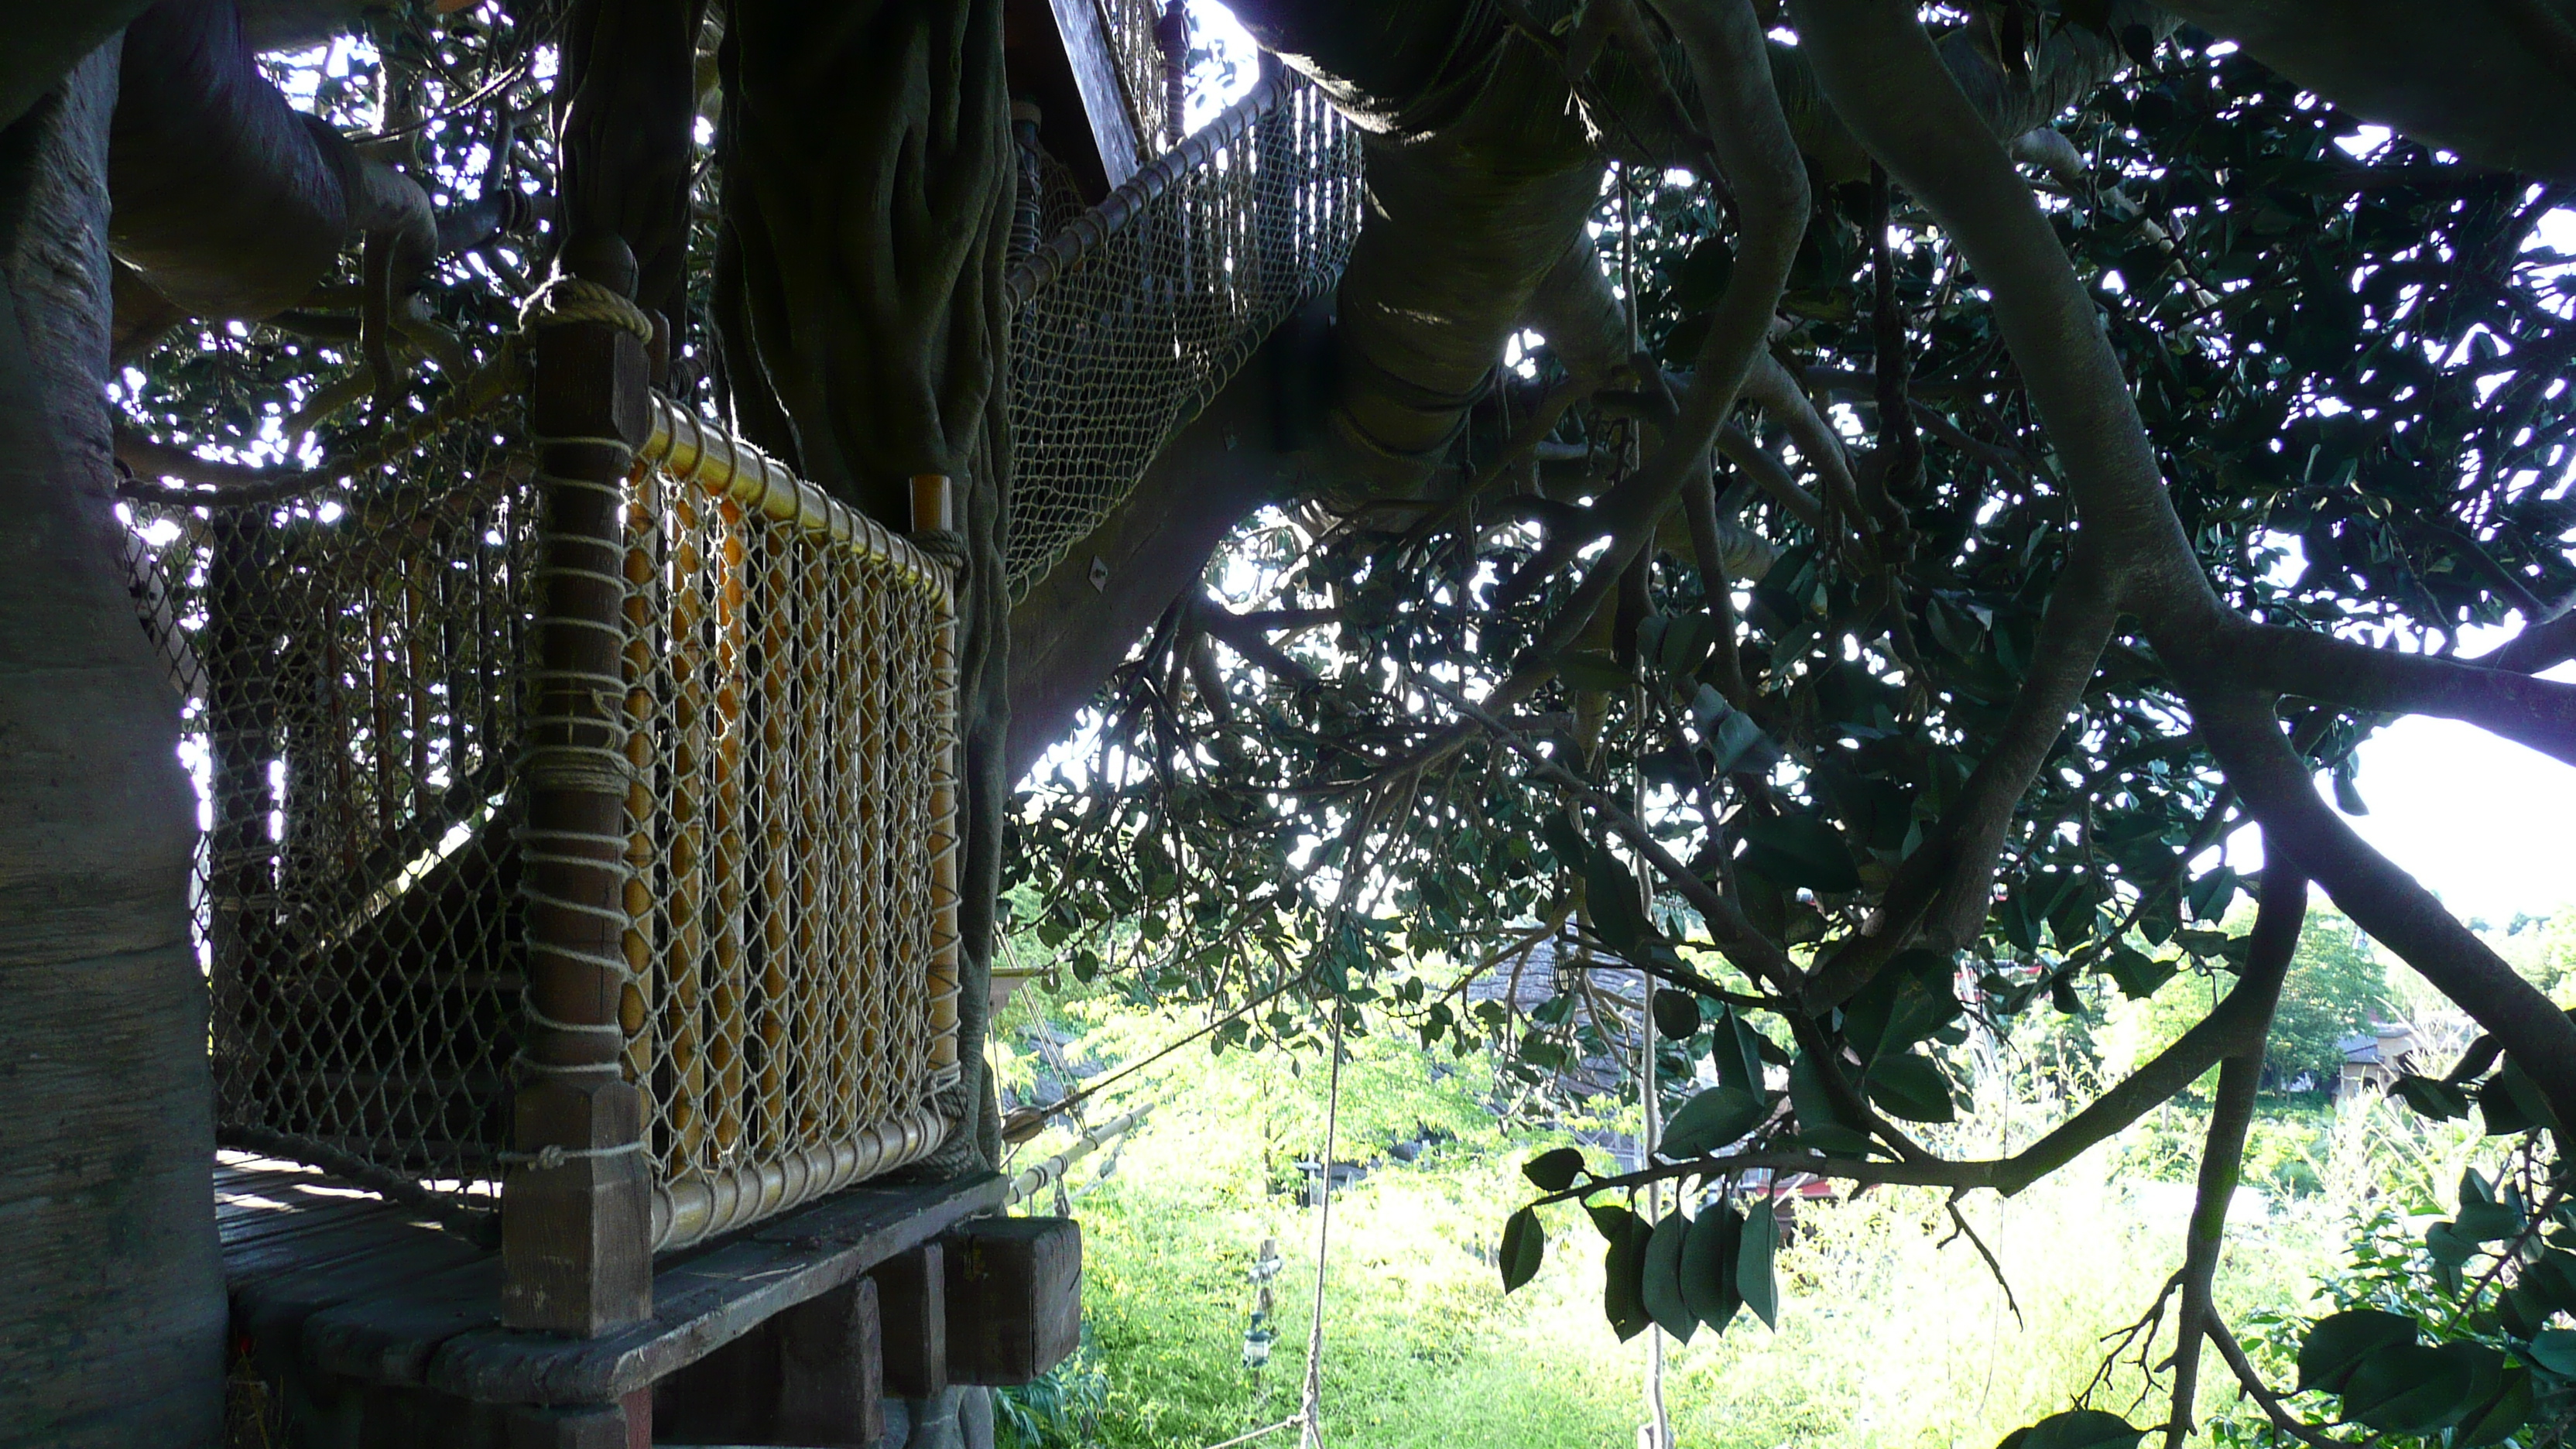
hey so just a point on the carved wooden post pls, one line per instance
(576, 1221)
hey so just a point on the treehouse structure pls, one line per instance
(578, 889)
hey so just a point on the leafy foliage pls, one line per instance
(2343, 347)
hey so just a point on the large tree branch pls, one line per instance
(2236, 1027)
(1944, 886)
(1725, 46)
(2381, 898)
(2275, 941)
(2540, 713)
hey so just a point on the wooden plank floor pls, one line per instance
(336, 1279)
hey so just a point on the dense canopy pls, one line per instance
(1836, 505)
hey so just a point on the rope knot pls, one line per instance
(565, 300)
(946, 545)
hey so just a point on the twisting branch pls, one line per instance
(1962, 1230)
(2384, 900)
(1730, 60)
(2276, 938)
(2261, 1392)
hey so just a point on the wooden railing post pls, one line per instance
(576, 1221)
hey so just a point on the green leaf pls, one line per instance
(1610, 1220)
(2511, 1102)
(1911, 1088)
(1820, 1125)
(1711, 1120)
(2406, 1388)
(2339, 1342)
(1661, 1289)
(1676, 1014)
(1524, 1243)
(1754, 1277)
(2496, 1419)
(1554, 1170)
(2484, 1222)
(1610, 893)
(1708, 1265)
(1623, 1279)
(1909, 999)
(2139, 974)
(2553, 1350)
(1594, 671)
(1682, 645)
(2438, 1100)
(1737, 1052)
(1699, 279)
(1736, 742)
(1565, 841)
(2077, 1429)
(1799, 850)
(2448, 1246)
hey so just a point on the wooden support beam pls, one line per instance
(912, 1316)
(805, 1379)
(624, 1425)
(831, 1383)
(1014, 1298)
(1088, 50)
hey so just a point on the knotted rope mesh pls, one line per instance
(351, 653)
(1133, 317)
(358, 647)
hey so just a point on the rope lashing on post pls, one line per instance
(571, 748)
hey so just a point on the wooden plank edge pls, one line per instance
(703, 1307)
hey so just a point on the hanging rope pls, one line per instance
(1024, 1123)
(1311, 1413)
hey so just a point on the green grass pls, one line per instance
(1888, 1336)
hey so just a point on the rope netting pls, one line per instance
(790, 696)
(1136, 43)
(1132, 318)
(350, 655)
(357, 648)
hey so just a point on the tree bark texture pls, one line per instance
(624, 137)
(868, 177)
(111, 1333)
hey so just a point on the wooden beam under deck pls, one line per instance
(370, 1314)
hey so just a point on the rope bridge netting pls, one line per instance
(356, 648)
(1132, 318)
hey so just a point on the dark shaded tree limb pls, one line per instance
(2383, 899)
(2275, 939)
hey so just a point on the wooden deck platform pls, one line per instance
(371, 1325)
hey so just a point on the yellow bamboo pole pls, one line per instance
(783, 1013)
(728, 984)
(642, 613)
(934, 509)
(683, 1019)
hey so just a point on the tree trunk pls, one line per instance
(112, 1328)
(868, 175)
